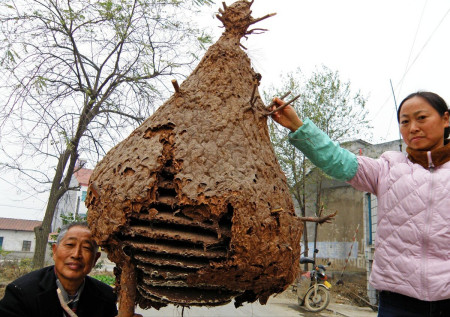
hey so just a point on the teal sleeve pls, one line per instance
(335, 161)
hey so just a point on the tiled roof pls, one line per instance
(83, 176)
(18, 224)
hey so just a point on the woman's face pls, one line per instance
(421, 126)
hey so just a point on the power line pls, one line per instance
(414, 42)
(380, 109)
(14, 185)
(20, 207)
(421, 50)
(423, 47)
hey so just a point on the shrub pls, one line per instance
(107, 279)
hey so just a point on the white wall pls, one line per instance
(82, 209)
(71, 202)
(13, 241)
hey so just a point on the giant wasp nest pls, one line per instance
(193, 207)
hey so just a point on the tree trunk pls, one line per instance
(305, 228)
(319, 210)
(60, 185)
(42, 233)
(39, 250)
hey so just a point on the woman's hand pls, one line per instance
(287, 116)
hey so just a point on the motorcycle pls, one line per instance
(313, 289)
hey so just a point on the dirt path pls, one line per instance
(284, 304)
(276, 306)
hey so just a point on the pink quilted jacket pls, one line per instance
(412, 244)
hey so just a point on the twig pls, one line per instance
(256, 80)
(340, 281)
(320, 220)
(281, 107)
(257, 29)
(175, 85)
(64, 304)
(255, 85)
(282, 97)
(264, 17)
(361, 298)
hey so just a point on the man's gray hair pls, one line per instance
(66, 228)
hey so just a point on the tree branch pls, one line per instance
(139, 119)
(320, 220)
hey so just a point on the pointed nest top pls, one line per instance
(236, 18)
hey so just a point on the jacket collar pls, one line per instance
(48, 300)
(91, 303)
(430, 159)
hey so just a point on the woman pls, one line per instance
(411, 266)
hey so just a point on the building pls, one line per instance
(349, 241)
(72, 202)
(17, 237)
(341, 241)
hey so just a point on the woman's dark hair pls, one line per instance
(434, 100)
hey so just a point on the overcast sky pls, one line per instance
(368, 42)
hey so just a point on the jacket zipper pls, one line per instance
(425, 285)
(430, 161)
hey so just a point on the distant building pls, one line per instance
(72, 202)
(17, 236)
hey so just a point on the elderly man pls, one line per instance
(63, 289)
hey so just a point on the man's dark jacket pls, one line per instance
(34, 295)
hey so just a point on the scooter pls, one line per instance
(313, 289)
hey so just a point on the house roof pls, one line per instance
(83, 175)
(18, 224)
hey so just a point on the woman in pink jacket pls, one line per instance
(411, 266)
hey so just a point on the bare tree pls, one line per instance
(78, 75)
(332, 105)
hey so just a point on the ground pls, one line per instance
(347, 299)
(11, 270)
(351, 292)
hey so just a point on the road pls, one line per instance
(276, 306)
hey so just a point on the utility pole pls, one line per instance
(396, 109)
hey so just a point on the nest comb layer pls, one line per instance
(194, 198)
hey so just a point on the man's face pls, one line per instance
(75, 255)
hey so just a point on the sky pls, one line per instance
(370, 43)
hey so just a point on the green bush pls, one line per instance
(107, 279)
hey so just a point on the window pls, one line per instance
(1, 242)
(26, 245)
(83, 195)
